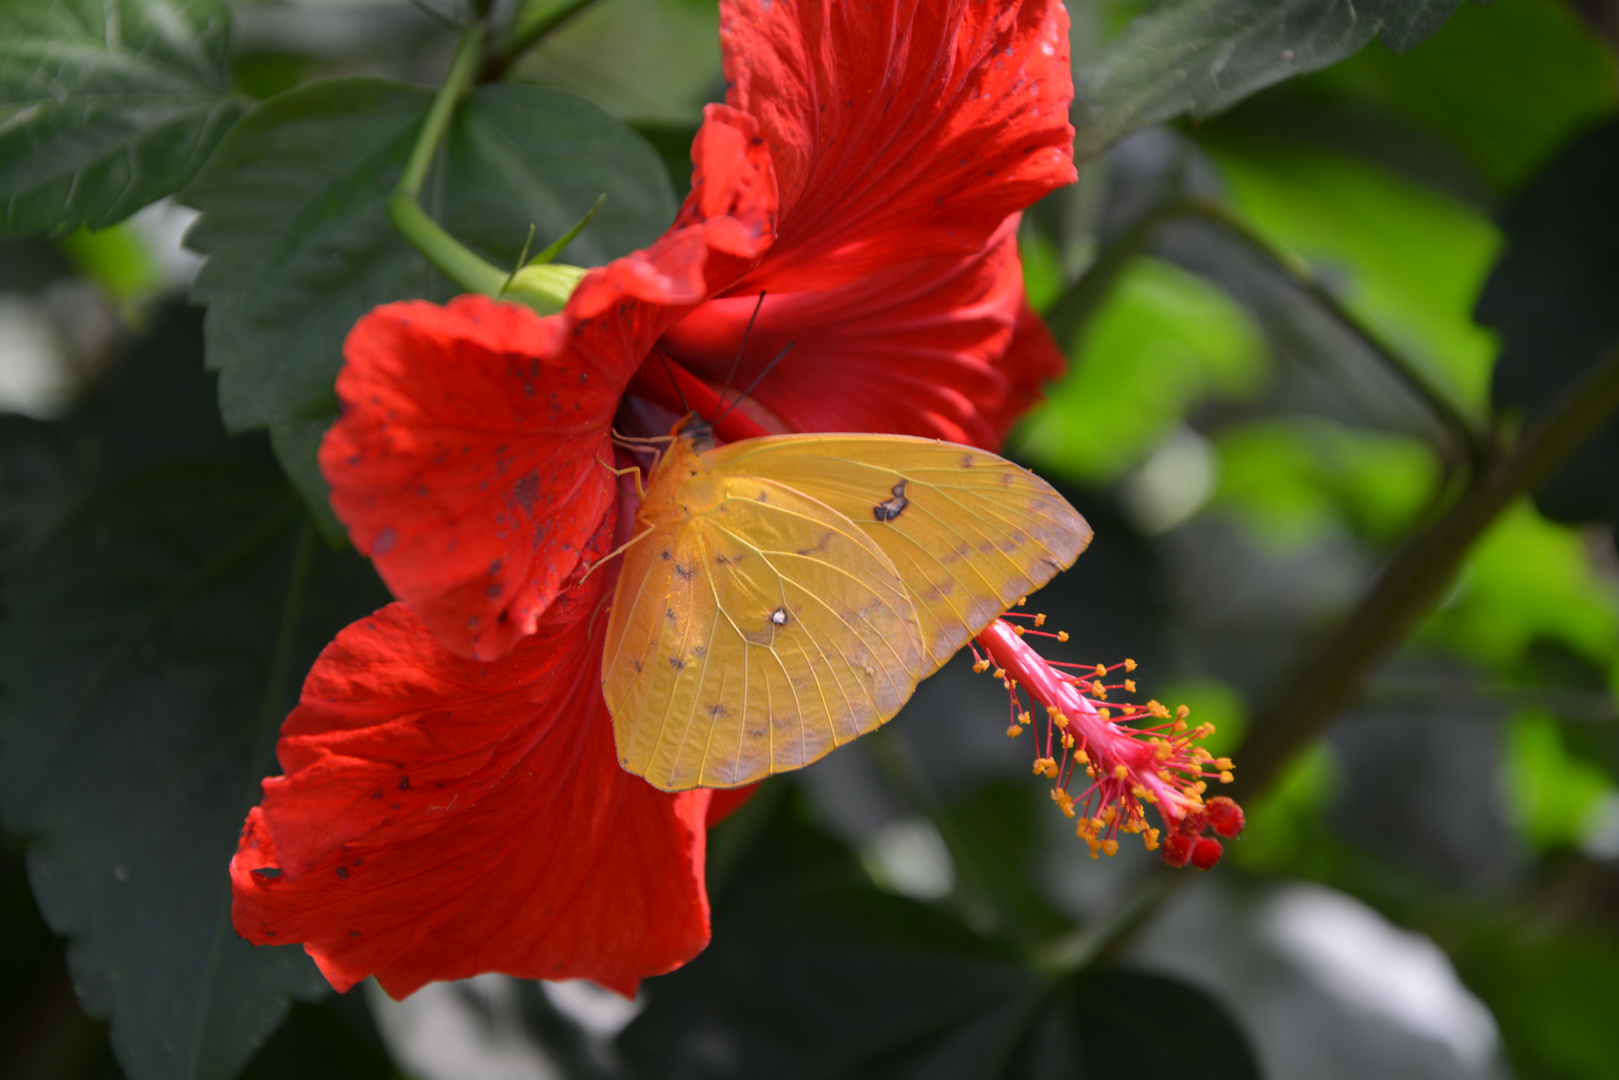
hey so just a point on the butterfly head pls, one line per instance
(696, 431)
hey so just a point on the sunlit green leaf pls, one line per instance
(1164, 341)
(106, 105)
(1551, 794)
(1296, 481)
(1506, 85)
(1407, 258)
(1529, 579)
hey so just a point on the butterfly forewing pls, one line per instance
(967, 531)
(753, 635)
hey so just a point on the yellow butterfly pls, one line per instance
(786, 594)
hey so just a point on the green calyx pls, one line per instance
(545, 288)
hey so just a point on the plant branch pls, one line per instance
(1072, 310)
(508, 47)
(1418, 576)
(1466, 430)
(444, 251)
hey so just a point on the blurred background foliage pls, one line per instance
(1301, 295)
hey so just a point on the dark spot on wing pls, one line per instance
(684, 571)
(779, 616)
(889, 509)
(677, 663)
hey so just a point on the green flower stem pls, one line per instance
(519, 39)
(1417, 578)
(1071, 311)
(444, 251)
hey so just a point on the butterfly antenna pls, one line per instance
(757, 379)
(747, 332)
(684, 405)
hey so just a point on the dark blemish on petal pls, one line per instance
(354, 933)
(271, 872)
(377, 794)
(493, 591)
(889, 509)
(526, 492)
(342, 871)
(404, 783)
(385, 541)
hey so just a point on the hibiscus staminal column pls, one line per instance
(1121, 761)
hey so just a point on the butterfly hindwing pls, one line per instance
(752, 634)
(968, 532)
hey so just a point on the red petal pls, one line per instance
(944, 348)
(898, 129)
(467, 461)
(441, 817)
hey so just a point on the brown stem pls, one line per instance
(1417, 578)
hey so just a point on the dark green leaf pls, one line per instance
(813, 972)
(38, 482)
(106, 105)
(147, 656)
(300, 247)
(1200, 56)
(1136, 1026)
(1551, 297)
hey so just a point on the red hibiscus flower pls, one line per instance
(452, 802)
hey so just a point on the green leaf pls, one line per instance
(106, 105)
(1552, 298)
(38, 481)
(1506, 85)
(148, 654)
(299, 245)
(814, 972)
(1114, 1025)
(1164, 341)
(1200, 56)
(1406, 258)
(1552, 795)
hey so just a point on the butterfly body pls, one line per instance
(784, 595)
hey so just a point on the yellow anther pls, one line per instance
(1120, 772)
(1053, 712)
(1182, 712)
(1067, 741)
(1000, 673)
(1110, 848)
(1022, 600)
(1045, 767)
(1151, 839)
(1204, 731)
(1013, 731)
(1157, 710)
(1024, 718)
(1201, 787)
(1129, 665)
(1138, 791)
(1062, 635)
(1105, 714)
(1082, 757)
(1129, 686)
(1101, 671)
(1180, 725)
(1018, 630)
(1150, 797)
(1040, 619)
(1090, 771)
(1223, 763)
(1110, 815)
(1227, 776)
(980, 667)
